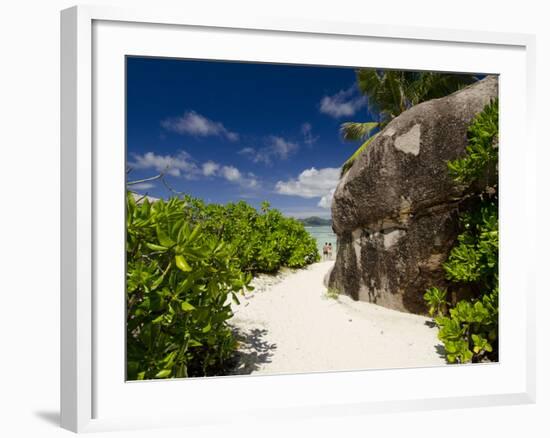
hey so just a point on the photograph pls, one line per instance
(285, 218)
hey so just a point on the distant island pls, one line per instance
(316, 221)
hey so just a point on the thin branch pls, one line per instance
(170, 188)
(138, 200)
(138, 181)
(162, 177)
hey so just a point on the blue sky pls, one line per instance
(227, 131)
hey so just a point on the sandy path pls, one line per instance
(292, 326)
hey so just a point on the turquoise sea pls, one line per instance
(323, 234)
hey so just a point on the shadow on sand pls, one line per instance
(430, 324)
(253, 351)
(439, 349)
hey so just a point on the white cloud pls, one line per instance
(311, 183)
(142, 186)
(234, 175)
(210, 168)
(179, 165)
(326, 200)
(193, 123)
(251, 181)
(277, 148)
(250, 153)
(182, 165)
(281, 147)
(307, 133)
(231, 173)
(247, 151)
(344, 103)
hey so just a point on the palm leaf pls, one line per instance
(368, 81)
(349, 162)
(394, 99)
(357, 130)
(391, 92)
(431, 85)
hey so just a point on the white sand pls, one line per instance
(292, 326)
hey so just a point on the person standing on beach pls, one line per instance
(329, 251)
(325, 251)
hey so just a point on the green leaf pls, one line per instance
(158, 319)
(186, 307)
(194, 233)
(182, 371)
(155, 247)
(207, 328)
(181, 263)
(163, 374)
(163, 238)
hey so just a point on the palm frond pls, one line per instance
(349, 162)
(390, 92)
(357, 130)
(368, 80)
(394, 99)
(432, 85)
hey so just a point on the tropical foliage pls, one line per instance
(469, 330)
(186, 262)
(392, 92)
(482, 149)
(262, 242)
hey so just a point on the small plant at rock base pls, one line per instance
(332, 293)
(436, 301)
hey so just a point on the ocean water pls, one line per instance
(323, 234)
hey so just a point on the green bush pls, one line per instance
(474, 259)
(263, 241)
(186, 261)
(469, 331)
(178, 283)
(482, 148)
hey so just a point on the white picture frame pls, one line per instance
(94, 41)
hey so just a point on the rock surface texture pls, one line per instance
(395, 212)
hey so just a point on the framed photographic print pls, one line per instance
(283, 218)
